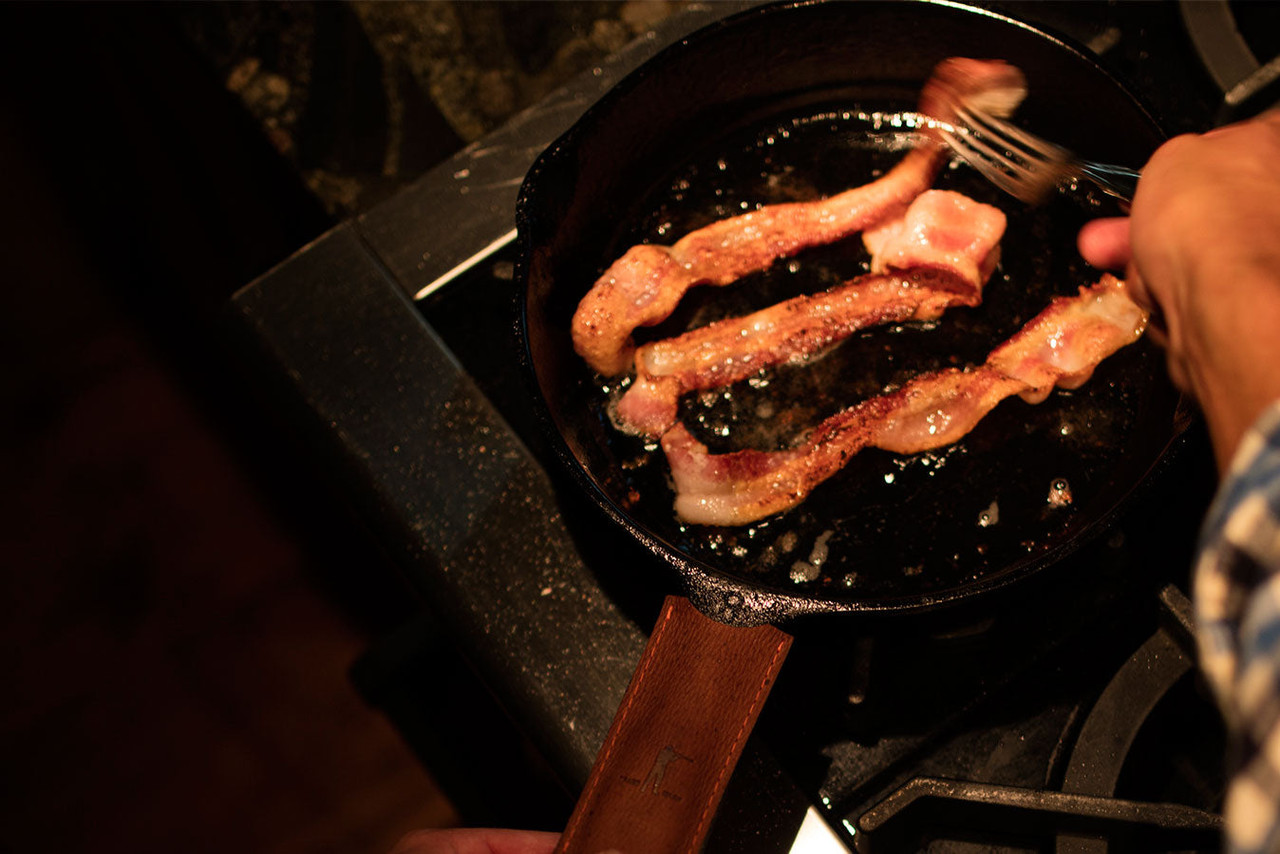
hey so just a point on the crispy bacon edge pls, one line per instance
(644, 286)
(791, 331)
(1061, 346)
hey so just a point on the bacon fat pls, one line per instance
(1060, 346)
(644, 286)
(940, 230)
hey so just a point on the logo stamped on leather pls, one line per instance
(652, 783)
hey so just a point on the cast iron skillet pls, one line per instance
(786, 102)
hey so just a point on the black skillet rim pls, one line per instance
(721, 595)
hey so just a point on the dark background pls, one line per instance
(181, 596)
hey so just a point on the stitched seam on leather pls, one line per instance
(762, 691)
(610, 742)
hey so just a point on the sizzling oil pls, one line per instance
(886, 525)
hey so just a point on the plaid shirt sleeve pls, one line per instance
(1237, 602)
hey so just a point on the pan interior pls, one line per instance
(789, 102)
(887, 526)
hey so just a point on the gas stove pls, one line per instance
(1070, 720)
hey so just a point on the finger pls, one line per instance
(1104, 243)
(1178, 372)
(1156, 332)
(1137, 289)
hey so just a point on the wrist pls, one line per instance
(1231, 354)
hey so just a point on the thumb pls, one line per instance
(1104, 243)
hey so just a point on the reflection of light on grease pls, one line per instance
(802, 570)
(1059, 493)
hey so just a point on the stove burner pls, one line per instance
(1231, 56)
(1086, 816)
(1019, 811)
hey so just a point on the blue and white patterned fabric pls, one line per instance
(1237, 603)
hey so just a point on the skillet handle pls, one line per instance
(675, 739)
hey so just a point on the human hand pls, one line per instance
(468, 841)
(1202, 248)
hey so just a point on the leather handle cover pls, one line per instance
(675, 739)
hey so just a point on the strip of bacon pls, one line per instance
(940, 230)
(731, 350)
(937, 255)
(1060, 346)
(644, 286)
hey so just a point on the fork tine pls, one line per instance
(1024, 165)
(985, 134)
(1017, 179)
(994, 166)
(998, 127)
(995, 156)
(978, 155)
(1011, 159)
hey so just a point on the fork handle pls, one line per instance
(1116, 181)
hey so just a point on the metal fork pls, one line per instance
(1026, 166)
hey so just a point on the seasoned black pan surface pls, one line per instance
(786, 103)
